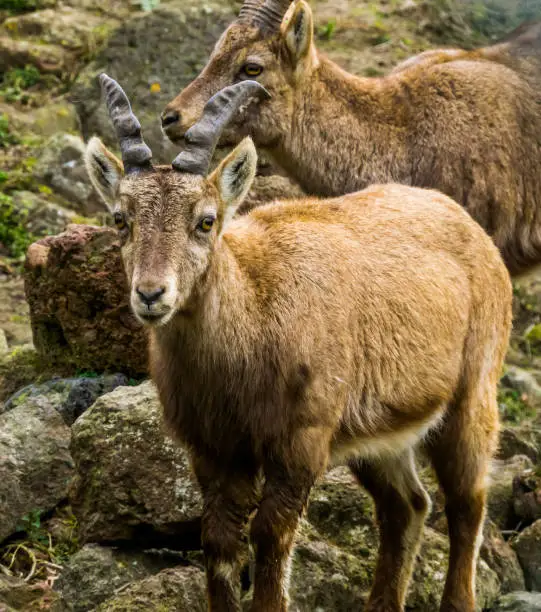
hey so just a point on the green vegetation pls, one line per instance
(514, 407)
(87, 374)
(326, 32)
(6, 136)
(19, 6)
(16, 82)
(13, 236)
(44, 548)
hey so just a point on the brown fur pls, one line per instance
(307, 333)
(465, 122)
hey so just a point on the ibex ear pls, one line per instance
(233, 178)
(298, 30)
(104, 169)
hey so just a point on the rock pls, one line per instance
(35, 464)
(78, 297)
(61, 167)
(14, 319)
(528, 549)
(17, 369)
(519, 602)
(16, 595)
(500, 498)
(40, 217)
(129, 473)
(69, 396)
(113, 8)
(527, 496)
(74, 30)
(4, 346)
(42, 122)
(325, 577)
(55, 40)
(524, 382)
(502, 559)
(95, 573)
(47, 58)
(172, 590)
(337, 564)
(515, 441)
(342, 511)
(426, 587)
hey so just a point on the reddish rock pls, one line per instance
(79, 307)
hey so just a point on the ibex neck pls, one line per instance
(347, 132)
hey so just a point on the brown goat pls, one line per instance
(467, 123)
(307, 333)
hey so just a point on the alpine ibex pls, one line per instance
(307, 333)
(467, 123)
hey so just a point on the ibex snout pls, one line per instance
(150, 297)
(152, 302)
(172, 124)
(169, 117)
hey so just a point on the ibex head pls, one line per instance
(170, 218)
(267, 43)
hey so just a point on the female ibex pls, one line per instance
(309, 332)
(465, 122)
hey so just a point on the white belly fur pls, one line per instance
(387, 444)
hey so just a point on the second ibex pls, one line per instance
(467, 123)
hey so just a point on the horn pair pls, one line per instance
(266, 14)
(201, 139)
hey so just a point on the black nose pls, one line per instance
(149, 297)
(169, 117)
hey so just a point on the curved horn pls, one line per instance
(136, 155)
(201, 139)
(248, 12)
(270, 14)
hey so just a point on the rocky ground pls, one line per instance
(98, 510)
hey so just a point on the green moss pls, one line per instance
(24, 366)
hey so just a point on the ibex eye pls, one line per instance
(205, 225)
(120, 220)
(252, 70)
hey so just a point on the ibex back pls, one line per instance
(467, 123)
(307, 333)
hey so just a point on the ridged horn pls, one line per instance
(136, 155)
(201, 139)
(270, 14)
(248, 11)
